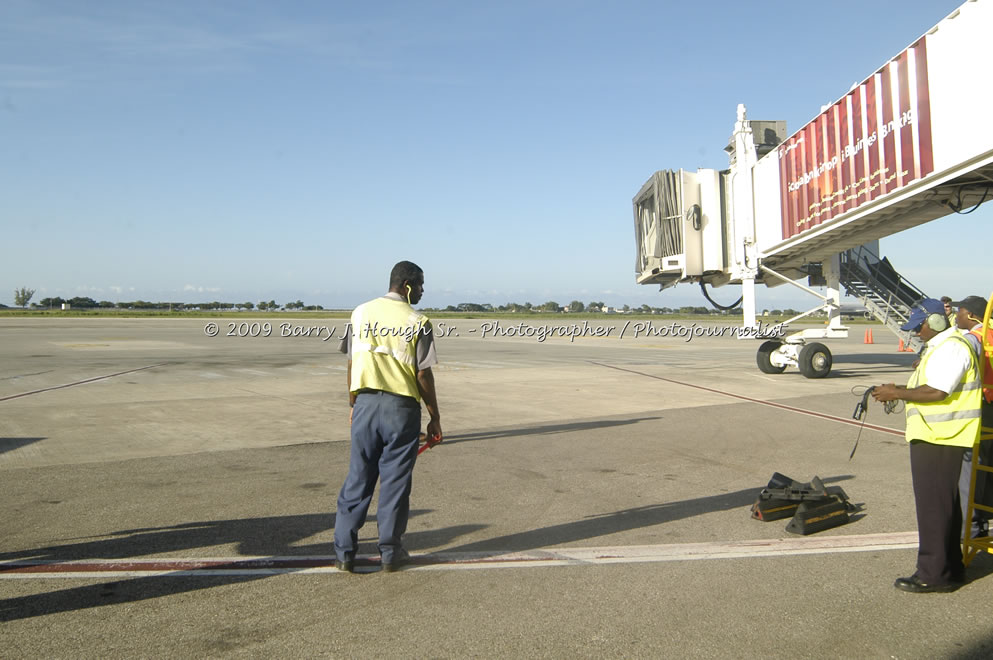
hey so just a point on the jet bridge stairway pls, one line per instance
(886, 295)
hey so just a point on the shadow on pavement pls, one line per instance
(279, 536)
(544, 430)
(895, 359)
(10, 444)
(109, 593)
(981, 567)
(275, 536)
(253, 536)
(619, 521)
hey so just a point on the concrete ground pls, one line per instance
(591, 499)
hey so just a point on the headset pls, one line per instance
(937, 322)
(408, 294)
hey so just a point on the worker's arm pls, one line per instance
(425, 383)
(919, 394)
(348, 388)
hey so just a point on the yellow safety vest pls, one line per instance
(955, 420)
(384, 347)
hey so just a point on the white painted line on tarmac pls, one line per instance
(448, 561)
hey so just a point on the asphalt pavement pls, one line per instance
(168, 493)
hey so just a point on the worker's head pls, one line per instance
(407, 279)
(971, 311)
(947, 302)
(927, 318)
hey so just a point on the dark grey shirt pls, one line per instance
(977, 346)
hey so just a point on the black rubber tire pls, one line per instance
(762, 358)
(815, 360)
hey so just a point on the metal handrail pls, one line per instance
(886, 294)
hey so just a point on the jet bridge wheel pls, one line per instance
(764, 358)
(815, 360)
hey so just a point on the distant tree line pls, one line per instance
(550, 306)
(23, 295)
(81, 302)
(577, 306)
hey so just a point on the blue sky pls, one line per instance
(246, 151)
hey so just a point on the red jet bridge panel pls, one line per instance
(871, 142)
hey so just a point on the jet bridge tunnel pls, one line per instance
(910, 144)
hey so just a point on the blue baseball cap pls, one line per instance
(922, 310)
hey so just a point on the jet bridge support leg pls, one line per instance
(832, 301)
(812, 358)
(748, 301)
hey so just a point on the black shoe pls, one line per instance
(346, 565)
(914, 585)
(400, 558)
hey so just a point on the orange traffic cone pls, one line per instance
(900, 348)
(868, 336)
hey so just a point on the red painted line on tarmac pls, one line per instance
(79, 382)
(781, 406)
(164, 565)
(221, 567)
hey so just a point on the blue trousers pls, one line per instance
(385, 432)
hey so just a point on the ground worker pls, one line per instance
(943, 419)
(391, 352)
(949, 309)
(969, 320)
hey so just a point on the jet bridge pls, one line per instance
(911, 143)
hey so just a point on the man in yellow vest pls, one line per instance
(390, 350)
(943, 399)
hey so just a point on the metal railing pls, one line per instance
(887, 296)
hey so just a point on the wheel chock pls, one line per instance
(773, 508)
(782, 481)
(812, 517)
(813, 506)
(774, 502)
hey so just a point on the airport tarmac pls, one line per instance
(169, 493)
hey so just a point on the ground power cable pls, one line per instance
(79, 382)
(862, 412)
(771, 404)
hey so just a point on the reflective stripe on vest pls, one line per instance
(401, 356)
(384, 347)
(988, 370)
(953, 420)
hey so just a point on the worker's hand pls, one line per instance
(434, 432)
(350, 411)
(884, 393)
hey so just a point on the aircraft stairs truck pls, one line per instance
(912, 143)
